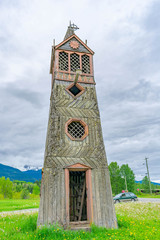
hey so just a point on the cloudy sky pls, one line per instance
(125, 36)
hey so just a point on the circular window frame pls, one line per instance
(83, 124)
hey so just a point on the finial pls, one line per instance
(72, 26)
(70, 31)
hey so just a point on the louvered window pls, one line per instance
(63, 61)
(86, 64)
(75, 62)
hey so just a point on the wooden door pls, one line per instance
(77, 196)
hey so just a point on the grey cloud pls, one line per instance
(152, 22)
(27, 95)
(126, 42)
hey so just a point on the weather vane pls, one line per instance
(73, 26)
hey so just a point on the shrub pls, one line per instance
(36, 190)
(25, 194)
(17, 195)
(6, 187)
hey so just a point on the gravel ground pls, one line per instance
(27, 211)
(34, 210)
(152, 200)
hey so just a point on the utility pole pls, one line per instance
(146, 159)
(124, 176)
(126, 183)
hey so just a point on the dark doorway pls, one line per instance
(78, 198)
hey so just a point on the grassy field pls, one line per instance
(18, 204)
(136, 220)
(145, 195)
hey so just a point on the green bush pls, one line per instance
(1, 196)
(25, 193)
(36, 190)
(17, 195)
(6, 187)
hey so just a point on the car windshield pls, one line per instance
(118, 195)
(128, 194)
(132, 194)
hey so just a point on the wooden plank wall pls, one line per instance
(103, 207)
(52, 202)
(61, 152)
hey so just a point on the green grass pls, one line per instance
(18, 204)
(145, 195)
(136, 221)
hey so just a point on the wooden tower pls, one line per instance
(76, 185)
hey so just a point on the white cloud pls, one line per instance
(125, 38)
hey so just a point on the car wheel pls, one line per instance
(133, 199)
(117, 201)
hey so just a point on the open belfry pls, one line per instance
(75, 189)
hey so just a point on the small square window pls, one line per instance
(75, 90)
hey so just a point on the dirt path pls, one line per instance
(34, 210)
(151, 200)
(25, 211)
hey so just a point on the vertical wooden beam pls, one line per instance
(80, 58)
(82, 200)
(69, 63)
(67, 194)
(89, 196)
(91, 64)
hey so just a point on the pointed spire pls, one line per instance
(70, 31)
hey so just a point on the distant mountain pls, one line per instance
(154, 183)
(29, 175)
(16, 174)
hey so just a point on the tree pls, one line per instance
(36, 190)
(145, 184)
(117, 182)
(127, 173)
(25, 193)
(38, 182)
(6, 187)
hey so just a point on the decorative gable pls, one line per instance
(74, 44)
(79, 166)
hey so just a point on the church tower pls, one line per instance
(75, 187)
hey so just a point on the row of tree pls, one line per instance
(123, 178)
(20, 189)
